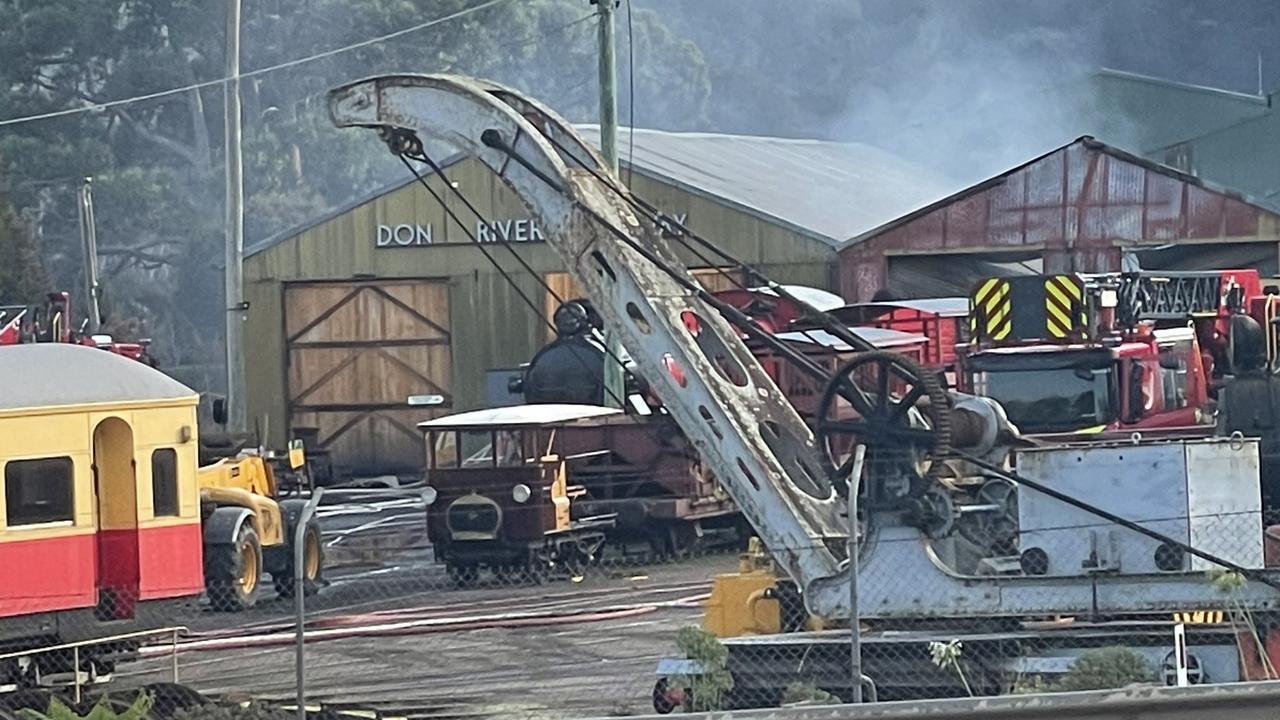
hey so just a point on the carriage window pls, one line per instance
(39, 491)
(164, 482)
(446, 449)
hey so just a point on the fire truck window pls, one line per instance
(1174, 381)
(39, 491)
(476, 448)
(446, 449)
(164, 483)
(510, 452)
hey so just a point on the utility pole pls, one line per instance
(614, 374)
(608, 83)
(89, 239)
(234, 228)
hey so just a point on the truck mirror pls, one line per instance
(220, 411)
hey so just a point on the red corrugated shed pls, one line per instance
(1077, 207)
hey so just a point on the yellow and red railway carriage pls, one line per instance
(99, 509)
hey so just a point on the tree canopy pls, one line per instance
(158, 164)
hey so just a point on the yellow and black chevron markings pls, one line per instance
(1063, 302)
(992, 308)
(1200, 617)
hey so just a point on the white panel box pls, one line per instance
(1205, 493)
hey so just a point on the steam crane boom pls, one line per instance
(683, 345)
(748, 434)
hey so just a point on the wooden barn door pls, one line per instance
(357, 351)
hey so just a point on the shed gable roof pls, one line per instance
(1085, 142)
(828, 190)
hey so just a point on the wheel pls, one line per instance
(232, 571)
(312, 565)
(891, 405)
(682, 540)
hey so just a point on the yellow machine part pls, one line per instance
(245, 482)
(738, 605)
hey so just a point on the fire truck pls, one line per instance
(52, 322)
(1072, 353)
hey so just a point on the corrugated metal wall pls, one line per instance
(491, 325)
(1076, 207)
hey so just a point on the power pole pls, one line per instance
(608, 83)
(89, 239)
(234, 228)
(614, 374)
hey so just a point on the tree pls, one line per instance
(22, 278)
(157, 164)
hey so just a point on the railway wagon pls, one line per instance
(99, 511)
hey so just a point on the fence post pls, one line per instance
(75, 670)
(855, 639)
(299, 603)
(174, 655)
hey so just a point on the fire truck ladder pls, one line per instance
(1172, 296)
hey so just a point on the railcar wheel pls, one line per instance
(888, 403)
(312, 565)
(232, 572)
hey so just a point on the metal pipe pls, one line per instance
(299, 603)
(855, 636)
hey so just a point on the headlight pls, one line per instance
(521, 493)
(429, 495)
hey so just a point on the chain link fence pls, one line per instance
(971, 584)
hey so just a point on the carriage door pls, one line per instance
(116, 489)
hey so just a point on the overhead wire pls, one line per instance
(259, 71)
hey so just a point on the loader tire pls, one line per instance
(233, 571)
(312, 565)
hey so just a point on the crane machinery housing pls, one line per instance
(942, 541)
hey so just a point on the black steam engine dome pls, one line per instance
(571, 368)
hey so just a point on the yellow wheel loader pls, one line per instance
(247, 526)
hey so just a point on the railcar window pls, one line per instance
(164, 482)
(510, 448)
(446, 449)
(477, 448)
(39, 491)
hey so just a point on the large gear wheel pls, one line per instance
(888, 403)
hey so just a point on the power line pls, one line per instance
(254, 73)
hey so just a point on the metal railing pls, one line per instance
(173, 632)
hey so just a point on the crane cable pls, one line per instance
(414, 150)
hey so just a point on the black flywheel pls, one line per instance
(888, 403)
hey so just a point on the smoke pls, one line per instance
(969, 88)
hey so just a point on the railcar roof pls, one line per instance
(530, 415)
(44, 375)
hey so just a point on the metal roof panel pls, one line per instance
(45, 375)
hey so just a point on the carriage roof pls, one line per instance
(519, 416)
(52, 375)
